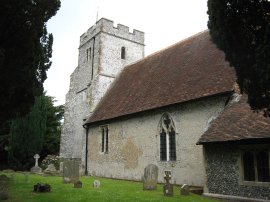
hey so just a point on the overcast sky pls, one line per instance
(163, 22)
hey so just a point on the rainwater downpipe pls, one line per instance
(86, 127)
(86, 149)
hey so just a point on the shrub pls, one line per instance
(50, 159)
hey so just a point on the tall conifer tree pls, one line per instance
(241, 28)
(27, 135)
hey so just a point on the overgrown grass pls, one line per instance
(110, 190)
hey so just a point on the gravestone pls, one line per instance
(96, 184)
(168, 187)
(26, 177)
(78, 184)
(4, 187)
(8, 171)
(150, 177)
(71, 170)
(36, 168)
(184, 190)
(51, 170)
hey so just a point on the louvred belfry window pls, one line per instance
(123, 53)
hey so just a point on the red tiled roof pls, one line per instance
(237, 122)
(191, 69)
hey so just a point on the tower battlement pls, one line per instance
(106, 26)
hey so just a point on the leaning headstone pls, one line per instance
(36, 168)
(71, 170)
(4, 187)
(168, 187)
(150, 177)
(51, 170)
(78, 184)
(96, 184)
(184, 190)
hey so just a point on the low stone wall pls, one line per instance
(223, 173)
(4, 187)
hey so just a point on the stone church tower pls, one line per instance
(103, 52)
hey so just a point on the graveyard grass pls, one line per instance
(110, 190)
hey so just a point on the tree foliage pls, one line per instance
(27, 135)
(55, 114)
(242, 30)
(25, 52)
(37, 132)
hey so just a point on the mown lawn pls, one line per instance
(110, 190)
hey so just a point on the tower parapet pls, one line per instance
(106, 26)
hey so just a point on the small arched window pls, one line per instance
(167, 139)
(104, 139)
(123, 53)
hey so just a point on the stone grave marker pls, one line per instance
(26, 177)
(36, 168)
(71, 170)
(168, 187)
(184, 190)
(78, 184)
(96, 184)
(4, 187)
(150, 177)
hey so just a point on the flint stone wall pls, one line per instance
(223, 173)
(134, 143)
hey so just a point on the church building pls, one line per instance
(178, 109)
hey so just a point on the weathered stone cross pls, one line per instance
(36, 157)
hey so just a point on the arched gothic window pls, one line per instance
(167, 139)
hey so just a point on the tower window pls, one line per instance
(88, 54)
(123, 53)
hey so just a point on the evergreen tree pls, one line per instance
(242, 30)
(25, 52)
(55, 114)
(27, 134)
(37, 132)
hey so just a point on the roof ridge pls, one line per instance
(164, 49)
(177, 43)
